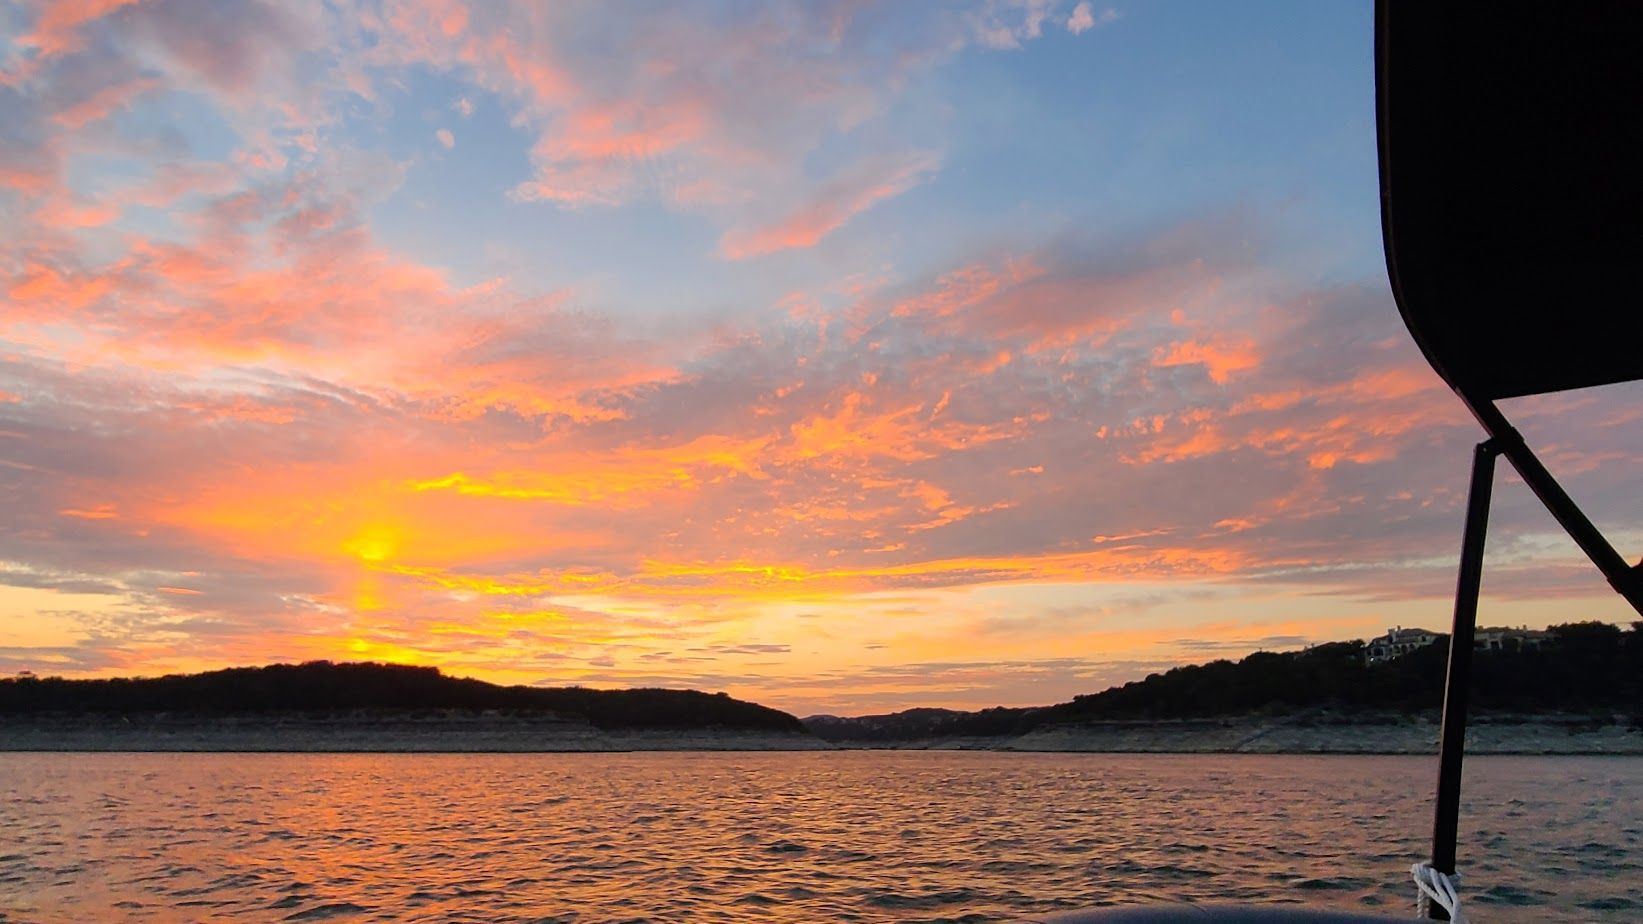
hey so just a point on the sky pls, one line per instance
(843, 356)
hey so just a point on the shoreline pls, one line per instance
(350, 735)
(445, 733)
(1308, 733)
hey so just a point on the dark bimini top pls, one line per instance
(1512, 197)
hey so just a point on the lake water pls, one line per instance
(848, 836)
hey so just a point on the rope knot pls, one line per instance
(1435, 886)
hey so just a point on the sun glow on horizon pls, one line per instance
(376, 544)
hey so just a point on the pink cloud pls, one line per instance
(56, 31)
(1220, 357)
(833, 205)
(103, 102)
(720, 115)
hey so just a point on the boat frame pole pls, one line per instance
(1626, 579)
(1504, 440)
(1452, 743)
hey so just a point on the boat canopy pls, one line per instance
(1511, 149)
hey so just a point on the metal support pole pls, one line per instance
(1626, 579)
(1452, 744)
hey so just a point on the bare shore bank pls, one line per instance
(428, 734)
(1541, 734)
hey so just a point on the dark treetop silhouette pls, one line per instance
(1588, 667)
(320, 686)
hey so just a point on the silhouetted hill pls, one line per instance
(914, 724)
(1584, 667)
(321, 686)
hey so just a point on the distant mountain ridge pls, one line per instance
(1588, 667)
(916, 724)
(1584, 667)
(323, 686)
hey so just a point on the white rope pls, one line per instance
(1436, 887)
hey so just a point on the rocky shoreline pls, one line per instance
(478, 733)
(373, 733)
(1307, 734)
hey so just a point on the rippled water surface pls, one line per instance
(851, 836)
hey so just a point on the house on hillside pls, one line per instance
(1397, 642)
(1501, 639)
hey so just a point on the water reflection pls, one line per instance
(855, 836)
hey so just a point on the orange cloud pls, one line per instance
(635, 476)
(99, 512)
(1221, 357)
(51, 293)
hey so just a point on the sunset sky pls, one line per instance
(845, 356)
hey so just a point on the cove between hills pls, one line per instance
(1582, 693)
